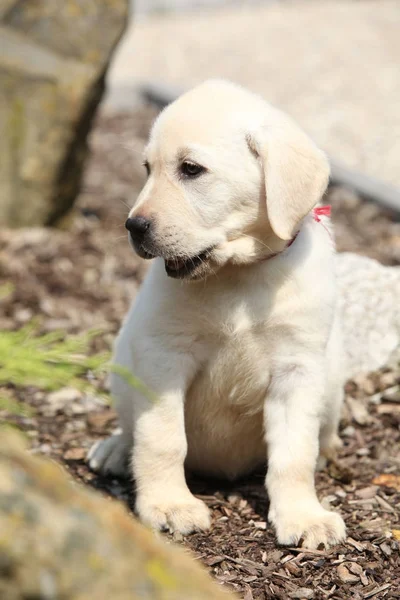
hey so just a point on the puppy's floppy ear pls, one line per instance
(296, 172)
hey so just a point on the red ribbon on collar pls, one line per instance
(320, 211)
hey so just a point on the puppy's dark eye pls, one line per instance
(147, 167)
(190, 169)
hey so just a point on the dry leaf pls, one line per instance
(396, 534)
(388, 480)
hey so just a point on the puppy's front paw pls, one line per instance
(179, 512)
(315, 526)
(110, 456)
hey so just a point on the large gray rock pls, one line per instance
(58, 540)
(53, 60)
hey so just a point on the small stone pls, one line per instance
(23, 315)
(302, 594)
(60, 401)
(348, 431)
(327, 500)
(363, 452)
(341, 494)
(233, 498)
(44, 449)
(345, 575)
(76, 408)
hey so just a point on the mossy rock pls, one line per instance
(59, 540)
(53, 60)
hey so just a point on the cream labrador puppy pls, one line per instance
(235, 328)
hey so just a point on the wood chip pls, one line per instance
(248, 595)
(293, 568)
(388, 409)
(385, 504)
(357, 545)
(306, 551)
(214, 560)
(386, 549)
(376, 590)
(392, 394)
(358, 410)
(302, 594)
(367, 492)
(75, 454)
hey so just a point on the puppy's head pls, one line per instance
(229, 180)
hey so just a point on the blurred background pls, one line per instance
(76, 79)
(80, 83)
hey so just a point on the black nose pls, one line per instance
(137, 227)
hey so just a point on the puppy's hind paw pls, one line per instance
(110, 456)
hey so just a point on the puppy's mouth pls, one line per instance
(184, 268)
(180, 267)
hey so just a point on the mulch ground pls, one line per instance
(84, 276)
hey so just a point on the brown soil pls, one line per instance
(85, 276)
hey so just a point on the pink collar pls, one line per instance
(320, 211)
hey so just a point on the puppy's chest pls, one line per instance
(237, 371)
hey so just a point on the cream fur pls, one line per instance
(246, 359)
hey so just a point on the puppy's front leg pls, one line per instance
(292, 421)
(163, 498)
